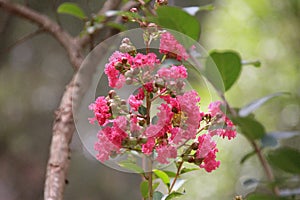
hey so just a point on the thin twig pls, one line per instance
(23, 39)
(176, 176)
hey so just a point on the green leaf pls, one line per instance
(176, 19)
(144, 189)
(131, 166)
(286, 159)
(246, 110)
(173, 195)
(170, 173)
(157, 195)
(250, 127)
(264, 197)
(163, 176)
(155, 185)
(247, 156)
(229, 64)
(71, 9)
(186, 170)
(142, 110)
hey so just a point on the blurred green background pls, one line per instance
(33, 75)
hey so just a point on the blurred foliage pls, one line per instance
(33, 76)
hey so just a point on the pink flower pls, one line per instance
(165, 152)
(188, 104)
(134, 127)
(101, 111)
(207, 153)
(104, 147)
(171, 47)
(153, 130)
(175, 72)
(210, 163)
(165, 115)
(117, 133)
(206, 144)
(142, 61)
(115, 78)
(141, 94)
(134, 103)
(147, 148)
(229, 129)
(149, 86)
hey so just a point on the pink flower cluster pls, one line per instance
(228, 129)
(101, 111)
(171, 47)
(178, 122)
(207, 153)
(119, 63)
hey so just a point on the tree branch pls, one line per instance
(108, 5)
(63, 126)
(44, 22)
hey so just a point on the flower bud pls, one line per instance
(136, 71)
(129, 81)
(112, 94)
(152, 28)
(128, 74)
(133, 10)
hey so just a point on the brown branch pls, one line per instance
(59, 159)
(63, 126)
(108, 5)
(23, 39)
(44, 22)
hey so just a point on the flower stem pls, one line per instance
(176, 176)
(148, 160)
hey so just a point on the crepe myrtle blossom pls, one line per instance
(132, 124)
(228, 130)
(101, 111)
(171, 47)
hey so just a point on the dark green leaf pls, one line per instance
(131, 166)
(144, 189)
(173, 195)
(157, 195)
(229, 64)
(163, 176)
(269, 141)
(247, 156)
(246, 110)
(176, 19)
(186, 170)
(250, 127)
(71, 9)
(286, 159)
(264, 197)
(142, 110)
